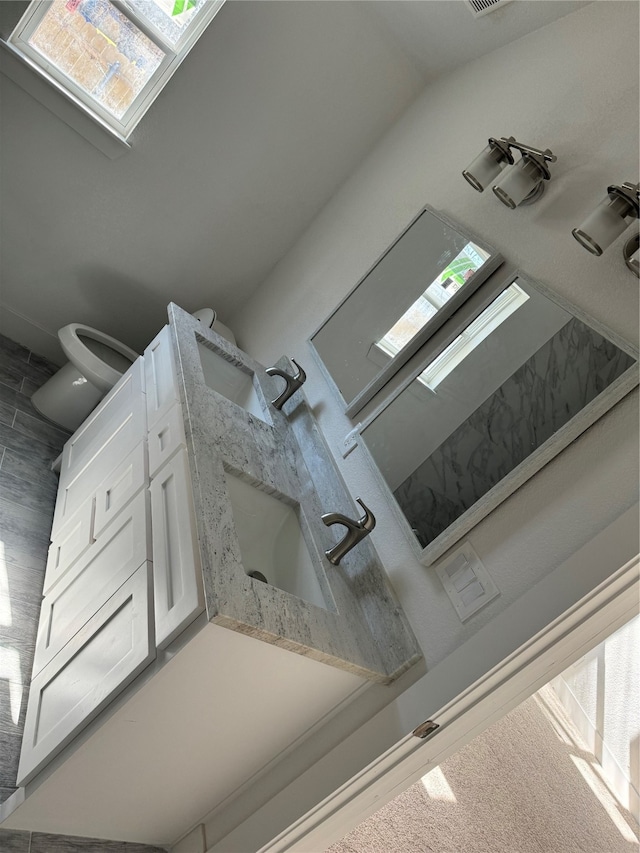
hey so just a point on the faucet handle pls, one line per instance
(293, 383)
(368, 520)
(356, 531)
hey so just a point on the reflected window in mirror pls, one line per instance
(430, 270)
(507, 390)
(437, 294)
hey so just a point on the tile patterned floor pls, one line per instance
(28, 446)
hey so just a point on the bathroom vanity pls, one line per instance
(165, 676)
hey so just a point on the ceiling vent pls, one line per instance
(479, 8)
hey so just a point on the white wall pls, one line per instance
(557, 87)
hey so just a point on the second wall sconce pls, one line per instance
(518, 182)
(608, 221)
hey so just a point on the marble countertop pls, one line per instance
(363, 630)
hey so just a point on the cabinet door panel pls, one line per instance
(159, 371)
(117, 489)
(106, 655)
(109, 433)
(69, 544)
(165, 437)
(122, 548)
(177, 575)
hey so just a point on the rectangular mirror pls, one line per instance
(411, 290)
(514, 385)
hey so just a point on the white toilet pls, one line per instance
(209, 318)
(96, 363)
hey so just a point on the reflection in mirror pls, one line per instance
(431, 269)
(509, 392)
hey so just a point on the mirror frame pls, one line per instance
(352, 407)
(526, 469)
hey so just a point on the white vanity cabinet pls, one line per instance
(123, 574)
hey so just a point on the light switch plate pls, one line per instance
(466, 581)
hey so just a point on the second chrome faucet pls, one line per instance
(356, 531)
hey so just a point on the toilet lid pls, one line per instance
(206, 316)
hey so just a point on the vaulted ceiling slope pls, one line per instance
(276, 105)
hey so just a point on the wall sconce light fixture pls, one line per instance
(521, 182)
(610, 218)
(631, 252)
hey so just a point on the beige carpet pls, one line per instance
(526, 785)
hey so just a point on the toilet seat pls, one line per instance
(95, 369)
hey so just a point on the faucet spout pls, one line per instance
(356, 531)
(293, 383)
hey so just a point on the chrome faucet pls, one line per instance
(356, 531)
(293, 383)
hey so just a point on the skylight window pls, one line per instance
(111, 57)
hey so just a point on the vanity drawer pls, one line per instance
(165, 437)
(111, 649)
(69, 544)
(93, 579)
(177, 573)
(117, 489)
(110, 470)
(160, 376)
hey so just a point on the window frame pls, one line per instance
(175, 54)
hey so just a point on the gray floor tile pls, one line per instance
(36, 374)
(39, 496)
(28, 387)
(43, 363)
(23, 584)
(25, 535)
(32, 470)
(21, 399)
(10, 752)
(21, 633)
(28, 445)
(13, 350)
(7, 413)
(10, 375)
(35, 427)
(13, 699)
(8, 395)
(44, 843)
(5, 793)
(13, 840)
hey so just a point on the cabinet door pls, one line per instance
(119, 486)
(177, 574)
(160, 376)
(113, 647)
(69, 544)
(105, 566)
(97, 447)
(111, 431)
(165, 437)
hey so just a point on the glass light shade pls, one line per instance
(482, 171)
(603, 226)
(631, 253)
(518, 181)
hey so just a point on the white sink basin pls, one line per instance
(271, 541)
(232, 382)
